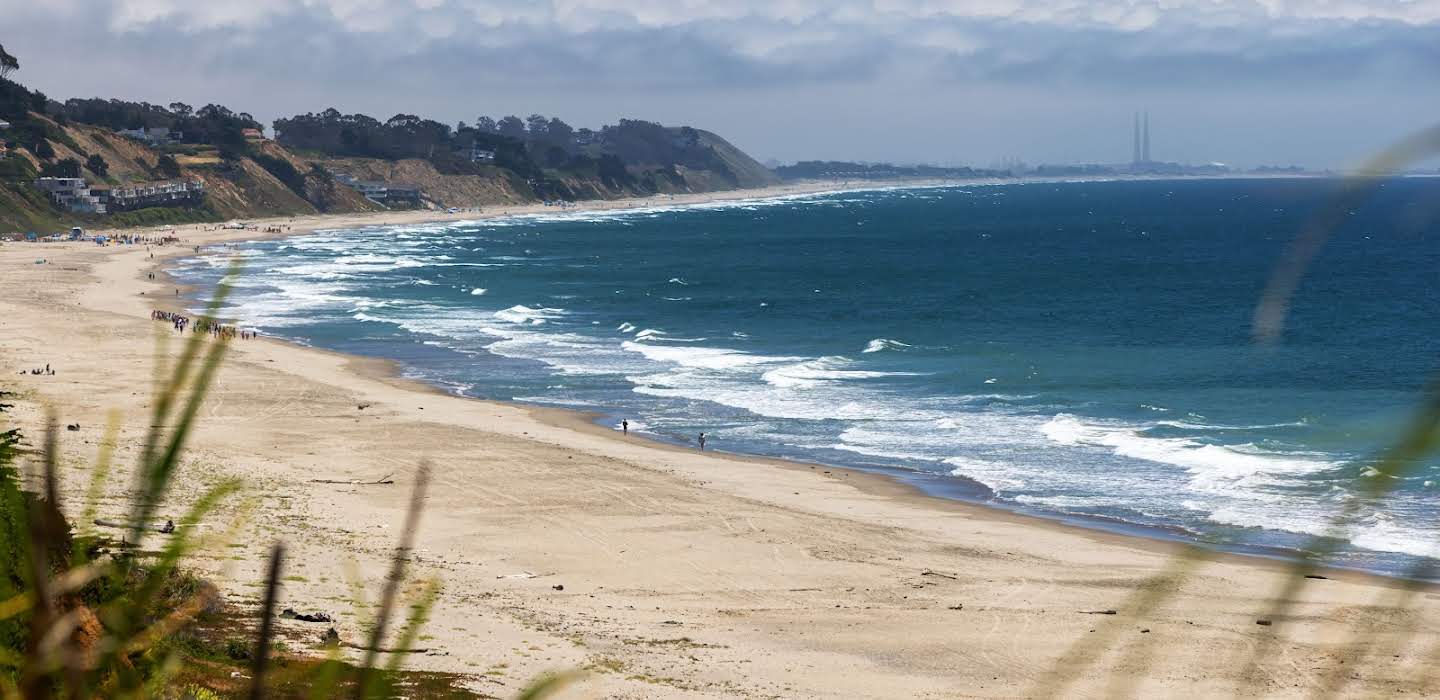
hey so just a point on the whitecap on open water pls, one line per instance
(1079, 349)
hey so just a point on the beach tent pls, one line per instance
(31, 236)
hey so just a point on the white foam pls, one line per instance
(1066, 502)
(1382, 533)
(703, 358)
(1188, 425)
(879, 344)
(478, 291)
(820, 371)
(995, 476)
(293, 302)
(1237, 470)
(522, 314)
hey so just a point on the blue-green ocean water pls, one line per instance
(1078, 349)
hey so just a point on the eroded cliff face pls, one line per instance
(271, 180)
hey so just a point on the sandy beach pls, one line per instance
(662, 571)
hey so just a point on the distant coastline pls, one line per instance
(300, 224)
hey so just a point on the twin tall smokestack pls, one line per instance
(1142, 138)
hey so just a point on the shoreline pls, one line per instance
(879, 481)
(765, 566)
(888, 481)
(947, 489)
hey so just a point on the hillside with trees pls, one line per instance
(544, 154)
(313, 162)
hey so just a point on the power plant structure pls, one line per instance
(1141, 153)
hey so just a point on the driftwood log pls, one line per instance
(331, 638)
(386, 650)
(167, 528)
(382, 481)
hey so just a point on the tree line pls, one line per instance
(633, 155)
(213, 124)
(528, 146)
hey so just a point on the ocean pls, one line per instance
(1077, 350)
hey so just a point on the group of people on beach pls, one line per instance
(181, 323)
(46, 371)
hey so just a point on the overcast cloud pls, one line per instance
(1316, 82)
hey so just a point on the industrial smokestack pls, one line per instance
(1135, 158)
(1145, 149)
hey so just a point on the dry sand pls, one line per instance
(683, 575)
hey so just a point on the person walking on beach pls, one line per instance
(701, 440)
(625, 426)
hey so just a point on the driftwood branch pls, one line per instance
(382, 481)
(386, 650)
(331, 639)
(167, 528)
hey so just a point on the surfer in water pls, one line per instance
(625, 426)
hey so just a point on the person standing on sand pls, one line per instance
(701, 440)
(625, 426)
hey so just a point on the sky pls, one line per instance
(1319, 83)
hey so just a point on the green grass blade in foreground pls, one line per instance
(1274, 305)
(167, 388)
(327, 676)
(157, 474)
(1422, 438)
(1144, 600)
(419, 614)
(267, 624)
(98, 477)
(52, 660)
(129, 629)
(182, 539)
(158, 466)
(549, 685)
(392, 581)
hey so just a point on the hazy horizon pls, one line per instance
(1315, 83)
